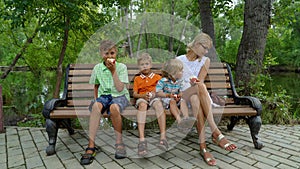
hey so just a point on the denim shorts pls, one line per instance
(107, 100)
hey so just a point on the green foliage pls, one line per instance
(33, 120)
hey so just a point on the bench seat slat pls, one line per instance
(68, 112)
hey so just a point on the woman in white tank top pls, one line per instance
(197, 65)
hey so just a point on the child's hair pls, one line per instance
(144, 56)
(105, 45)
(171, 68)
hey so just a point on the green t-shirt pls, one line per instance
(101, 75)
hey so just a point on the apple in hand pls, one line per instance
(194, 79)
(150, 95)
(113, 61)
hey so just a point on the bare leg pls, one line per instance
(184, 109)
(175, 111)
(116, 120)
(199, 115)
(94, 124)
(205, 105)
(141, 119)
(161, 118)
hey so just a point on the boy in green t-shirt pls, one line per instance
(110, 79)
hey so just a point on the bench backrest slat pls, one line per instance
(80, 92)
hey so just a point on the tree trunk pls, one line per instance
(127, 31)
(140, 37)
(182, 32)
(257, 14)
(171, 40)
(207, 25)
(59, 70)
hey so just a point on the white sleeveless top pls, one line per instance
(190, 68)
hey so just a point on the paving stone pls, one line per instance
(72, 164)
(283, 166)
(113, 165)
(3, 157)
(179, 162)
(53, 162)
(263, 166)
(284, 161)
(34, 162)
(25, 148)
(241, 164)
(15, 161)
(161, 162)
(3, 165)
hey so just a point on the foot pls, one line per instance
(163, 145)
(207, 157)
(222, 142)
(142, 148)
(120, 151)
(89, 156)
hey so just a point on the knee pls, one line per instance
(114, 109)
(202, 88)
(143, 106)
(157, 104)
(97, 107)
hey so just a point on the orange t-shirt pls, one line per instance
(143, 84)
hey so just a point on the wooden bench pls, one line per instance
(78, 94)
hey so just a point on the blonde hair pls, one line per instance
(144, 56)
(202, 38)
(171, 68)
(106, 45)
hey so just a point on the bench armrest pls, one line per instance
(51, 104)
(249, 100)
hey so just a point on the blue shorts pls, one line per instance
(107, 100)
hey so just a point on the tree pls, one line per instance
(257, 14)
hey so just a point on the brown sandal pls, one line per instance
(163, 145)
(142, 148)
(120, 151)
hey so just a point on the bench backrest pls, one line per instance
(78, 92)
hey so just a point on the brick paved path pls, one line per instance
(25, 148)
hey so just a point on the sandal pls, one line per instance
(218, 140)
(120, 151)
(142, 148)
(211, 161)
(163, 145)
(86, 158)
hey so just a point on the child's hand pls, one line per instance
(110, 65)
(176, 97)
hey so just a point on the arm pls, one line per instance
(115, 75)
(119, 85)
(204, 70)
(96, 86)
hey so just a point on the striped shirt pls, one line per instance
(101, 75)
(168, 86)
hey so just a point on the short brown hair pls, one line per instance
(144, 56)
(105, 45)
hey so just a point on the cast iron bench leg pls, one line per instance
(254, 123)
(51, 128)
(233, 121)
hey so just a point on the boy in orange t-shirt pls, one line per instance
(144, 91)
